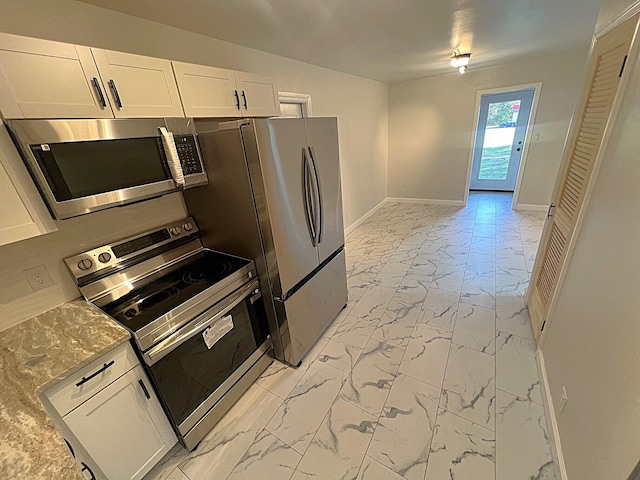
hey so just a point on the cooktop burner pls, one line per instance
(149, 301)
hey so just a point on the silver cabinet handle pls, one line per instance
(96, 85)
(318, 192)
(116, 95)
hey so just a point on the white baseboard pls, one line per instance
(427, 201)
(552, 424)
(364, 217)
(528, 207)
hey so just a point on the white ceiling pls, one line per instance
(386, 40)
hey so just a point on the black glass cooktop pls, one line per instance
(150, 300)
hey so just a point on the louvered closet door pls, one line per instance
(606, 66)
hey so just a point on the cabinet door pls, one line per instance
(207, 91)
(24, 214)
(125, 432)
(258, 95)
(43, 79)
(138, 86)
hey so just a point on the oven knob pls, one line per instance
(175, 231)
(104, 257)
(85, 264)
(188, 226)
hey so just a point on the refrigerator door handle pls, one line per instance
(318, 192)
(306, 194)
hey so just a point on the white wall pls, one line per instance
(431, 126)
(361, 106)
(593, 340)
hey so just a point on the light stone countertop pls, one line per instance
(35, 355)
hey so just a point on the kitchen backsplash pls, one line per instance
(18, 302)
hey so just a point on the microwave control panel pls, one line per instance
(188, 154)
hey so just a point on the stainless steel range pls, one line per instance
(196, 316)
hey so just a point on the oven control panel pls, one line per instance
(112, 255)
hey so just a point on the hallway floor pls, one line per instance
(429, 373)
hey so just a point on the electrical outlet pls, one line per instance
(564, 398)
(404, 191)
(38, 278)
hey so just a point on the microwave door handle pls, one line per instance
(170, 344)
(171, 152)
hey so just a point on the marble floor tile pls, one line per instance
(455, 255)
(373, 303)
(224, 446)
(402, 439)
(339, 446)
(448, 277)
(480, 264)
(516, 367)
(301, 413)
(372, 470)
(426, 355)
(268, 457)
(440, 308)
(479, 291)
(513, 281)
(397, 322)
(515, 261)
(372, 376)
(512, 316)
(469, 386)
(280, 379)
(340, 355)
(167, 468)
(521, 440)
(475, 328)
(461, 450)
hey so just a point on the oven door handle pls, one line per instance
(204, 321)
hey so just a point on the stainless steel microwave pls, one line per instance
(82, 166)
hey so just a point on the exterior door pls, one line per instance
(502, 128)
(282, 149)
(605, 69)
(322, 138)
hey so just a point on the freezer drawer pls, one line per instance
(314, 306)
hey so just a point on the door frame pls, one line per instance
(634, 51)
(302, 99)
(537, 86)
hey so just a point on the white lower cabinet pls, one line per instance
(120, 432)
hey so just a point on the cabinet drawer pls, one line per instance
(67, 395)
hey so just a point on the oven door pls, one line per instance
(189, 369)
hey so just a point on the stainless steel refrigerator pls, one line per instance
(274, 196)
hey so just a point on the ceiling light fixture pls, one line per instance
(460, 61)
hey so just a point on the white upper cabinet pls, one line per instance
(23, 213)
(138, 86)
(217, 92)
(207, 91)
(259, 97)
(44, 79)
